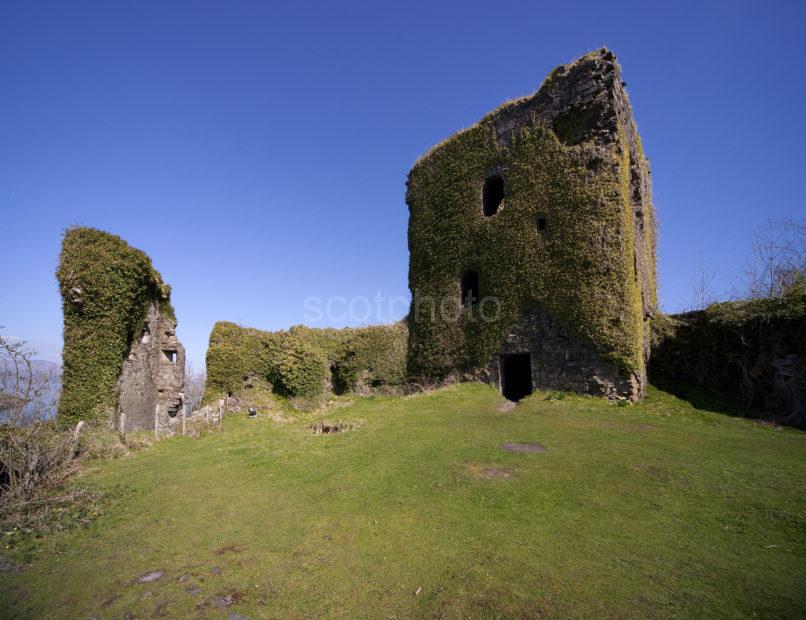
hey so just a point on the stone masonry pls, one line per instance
(559, 361)
(150, 384)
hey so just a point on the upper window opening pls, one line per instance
(170, 356)
(492, 194)
(541, 222)
(470, 289)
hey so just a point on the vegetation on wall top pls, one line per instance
(304, 362)
(750, 351)
(106, 288)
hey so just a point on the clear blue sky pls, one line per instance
(258, 151)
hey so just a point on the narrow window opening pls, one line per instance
(470, 289)
(170, 356)
(493, 194)
(516, 375)
(541, 223)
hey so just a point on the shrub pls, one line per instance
(301, 369)
(36, 458)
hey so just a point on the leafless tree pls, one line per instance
(194, 386)
(34, 455)
(778, 260)
(702, 285)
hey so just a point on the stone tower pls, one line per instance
(532, 243)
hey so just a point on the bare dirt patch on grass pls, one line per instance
(327, 428)
(479, 471)
(533, 446)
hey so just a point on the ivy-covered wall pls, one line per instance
(574, 235)
(752, 352)
(304, 362)
(106, 287)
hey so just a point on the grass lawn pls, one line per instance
(657, 509)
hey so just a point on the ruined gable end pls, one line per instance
(123, 364)
(532, 242)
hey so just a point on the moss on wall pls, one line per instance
(302, 367)
(580, 268)
(106, 287)
(236, 352)
(373, 358)
(753, 352)
(301, 362)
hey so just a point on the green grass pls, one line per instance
(657, 509)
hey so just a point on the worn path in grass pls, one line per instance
(657, 509)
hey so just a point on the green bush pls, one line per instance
(302, 368)
(106, 288)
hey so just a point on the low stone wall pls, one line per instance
(752, 352)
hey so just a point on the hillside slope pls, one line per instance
(656, 509)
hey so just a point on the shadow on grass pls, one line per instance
(713, 402)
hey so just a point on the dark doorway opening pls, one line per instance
(516, 375)
(470, 289)
(492, 195)
(337, 383)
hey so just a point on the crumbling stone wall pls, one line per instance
(567, 258)
(118, 320)
(752, 352)
(305, 363)
(150, 385)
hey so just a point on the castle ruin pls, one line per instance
(532, 266)
(123, 364)
(532, 243)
